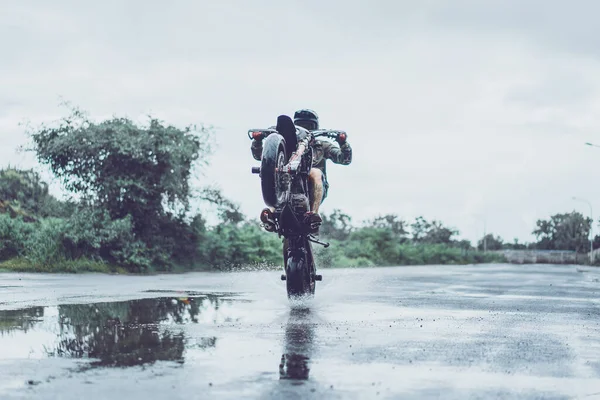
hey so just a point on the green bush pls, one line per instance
(89, 236)
(44, 244)
(367, 252)
(14, 233)
(91, 233)
(232, 245)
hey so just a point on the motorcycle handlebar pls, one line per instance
(328, 133)
(260, 134)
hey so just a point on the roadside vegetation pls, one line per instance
(130, 211)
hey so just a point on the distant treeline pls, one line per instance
(40, 233)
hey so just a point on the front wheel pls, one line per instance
(273, 182)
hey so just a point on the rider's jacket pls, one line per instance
(323, 150)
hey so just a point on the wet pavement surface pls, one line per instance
(452, 332)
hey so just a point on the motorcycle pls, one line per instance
(287, 157)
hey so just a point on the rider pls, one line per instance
(322, 150)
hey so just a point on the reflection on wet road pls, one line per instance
(493, 331)
(142, 331)
(116, 334)
(298, 345)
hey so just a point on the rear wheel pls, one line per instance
(298, 277)
(273, 182)
(300, 280)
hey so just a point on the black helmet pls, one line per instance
(307, 119)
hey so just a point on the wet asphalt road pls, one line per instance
(451, 332)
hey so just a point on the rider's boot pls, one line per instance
(314, 220)
(267, 219)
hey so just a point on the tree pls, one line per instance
(23, 187)
(596, 242)
(336, 225)
(440, 234)
(419, 229)
(433, 232)
(227, 210)
(124, 168)
(515, 245)
(491, 242)
(139, 173)
(23, 193)
(392, 223)
(569, 231)
(464, 244)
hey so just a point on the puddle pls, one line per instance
(213, 331)
(112, 334)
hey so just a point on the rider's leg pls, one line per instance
(315, 178)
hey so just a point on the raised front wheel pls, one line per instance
(273, 182)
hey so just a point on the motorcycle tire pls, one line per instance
(299, 280)
(273, 159)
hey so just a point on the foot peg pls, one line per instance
(318, 277)
(317, 241)
(283, 277)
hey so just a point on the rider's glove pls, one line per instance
(341, 138)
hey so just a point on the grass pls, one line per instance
(69, 266)
(411, 256)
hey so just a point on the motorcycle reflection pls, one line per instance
(298, 346)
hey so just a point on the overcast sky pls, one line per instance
(460, 110)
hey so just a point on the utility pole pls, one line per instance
(481, 217)
(484, 237)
